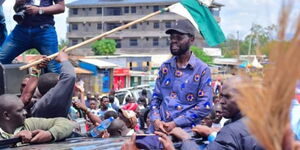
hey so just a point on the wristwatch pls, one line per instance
(41, 11)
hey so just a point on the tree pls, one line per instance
(104, 47)
(199, 53)
(63, 43)
(32, 51)
(230, 46)
(259, 37)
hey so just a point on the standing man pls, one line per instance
(3, 31)
(182, 95)
(35, 30)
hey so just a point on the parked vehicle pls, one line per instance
(134, 92)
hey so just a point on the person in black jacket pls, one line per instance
(234, 135)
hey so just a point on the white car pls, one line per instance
(134, 92)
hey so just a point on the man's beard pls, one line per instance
(182, 50)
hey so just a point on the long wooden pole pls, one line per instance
(97, 37)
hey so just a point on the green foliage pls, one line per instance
(104, 47)
(32, 51)
(259, 37)
(63, 43)
(199, 53)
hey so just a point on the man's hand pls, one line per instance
(79, 88)
(41, 136)
(105, 134)
(180, 134)
(62, 56)
(80, 106)
(159, 125)
(44, 62)
(169, 126)
(130, 145)
(203, 130)
(32, 10)
(25, 135)
(168, 144)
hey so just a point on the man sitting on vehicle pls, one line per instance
(32, 130)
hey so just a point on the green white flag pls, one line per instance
(202, 19)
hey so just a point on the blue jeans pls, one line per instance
(22, 38)
(3, 31)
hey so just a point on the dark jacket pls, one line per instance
(234, 136)
(57, 101)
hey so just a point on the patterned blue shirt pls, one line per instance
(182, 95)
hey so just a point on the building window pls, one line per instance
(75, 11)
(114, 11)
(99, 10)
(111, 26)
(134, 26)
(83, 9)
(74, 26)
(155, 8)
(74, 42)
(147, 7)
(126, 10)
(156, 25)
(133, 42)
(119, 44)
(133, 10)
(168, 41)
(155, 42)
(99, 26)
(168, 24)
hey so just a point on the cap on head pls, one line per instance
(182, 26)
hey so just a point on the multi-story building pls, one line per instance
(89, 18)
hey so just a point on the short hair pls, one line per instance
(116, 127)
(47, 81)
(109, 114)
(103, 98)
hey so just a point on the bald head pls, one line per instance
(230, 95)
(117, 128)
(8, 101)
(12, 113)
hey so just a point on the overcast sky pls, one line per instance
(237, 15)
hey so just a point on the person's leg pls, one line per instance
(15, 44)
(3, 31)
(45, 40)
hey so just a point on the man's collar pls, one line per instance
(5, 135)
(191, 63)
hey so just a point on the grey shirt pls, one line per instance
(57, 101)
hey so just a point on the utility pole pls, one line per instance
(238, 44)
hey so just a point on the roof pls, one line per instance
(127, 2)
(215, 52)
(118, 2)
(28, 58)
(82, 71)
(225, 61)
(99, 63)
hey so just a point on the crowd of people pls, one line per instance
(187, 104)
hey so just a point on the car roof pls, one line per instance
(81, 143)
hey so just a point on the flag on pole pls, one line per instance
(202, 19)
